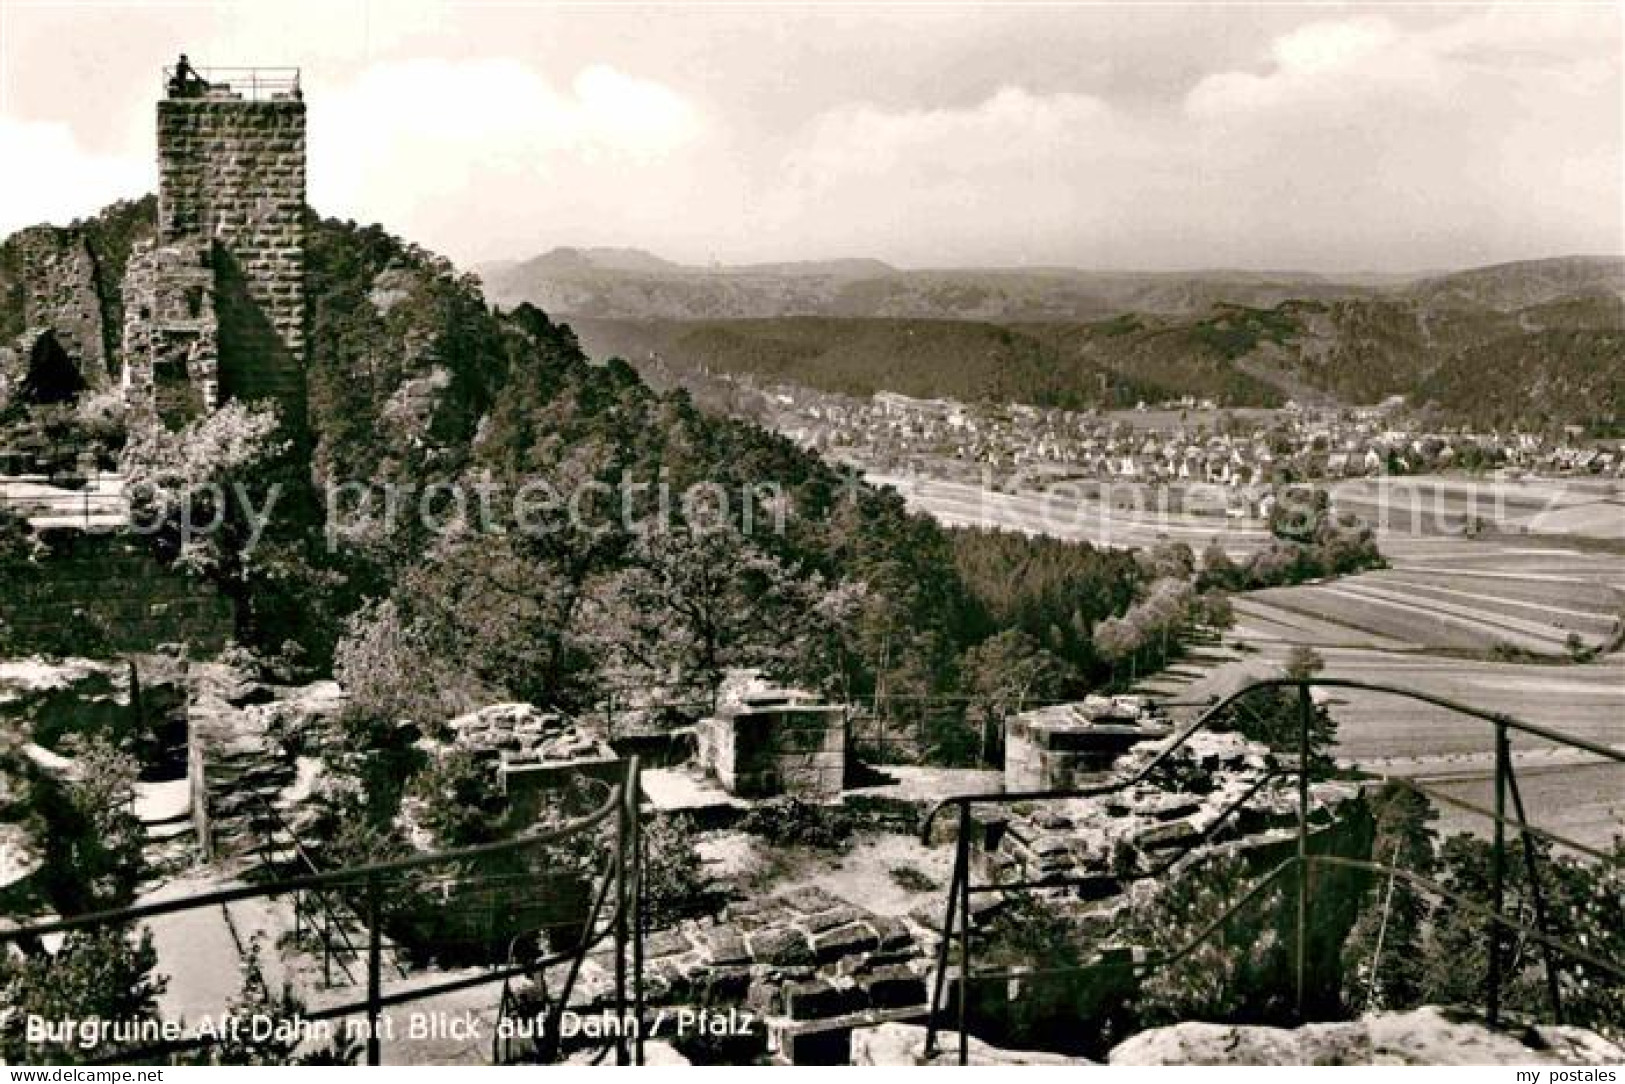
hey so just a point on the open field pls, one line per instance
(1069, 516)
(1262, 621)
(1399, 612)
(1567, 792)
(1573, 595)
(1603, 519)
(1573, 507)
(1387, 627)
(1346, 603)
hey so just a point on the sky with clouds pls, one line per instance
(1148, 136)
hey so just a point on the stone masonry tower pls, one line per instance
(220, 297)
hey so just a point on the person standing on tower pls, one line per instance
(185, 82)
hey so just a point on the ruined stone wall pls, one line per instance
(62, 294)
(1121, 850)
(810, 967)
(232, 172)
(171, 333)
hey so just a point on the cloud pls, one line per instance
(51, 178)
(1354, 143)
(1492, 136)
(1329, 46)
(934, 184)
(1476, 66)
(480, 132)
(1010, 123)
(1314, 63)
(1383, 137)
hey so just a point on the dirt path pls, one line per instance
(196, 950)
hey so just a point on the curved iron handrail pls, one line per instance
(1181, 737)
(352, 877)
(622, 862)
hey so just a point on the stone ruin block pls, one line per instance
(215, 306)
(1099, 845)
(818, 968)
(772, 742)
(1064, 745)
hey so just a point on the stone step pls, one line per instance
(174, 828)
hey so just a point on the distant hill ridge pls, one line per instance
(632, 284)
(1534, 342)
(1509, 286)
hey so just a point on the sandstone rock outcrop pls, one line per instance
(1426, 1036)
(809, 966)
(904, 1044)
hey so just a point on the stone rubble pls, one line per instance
(524, 732)
(1142, 827)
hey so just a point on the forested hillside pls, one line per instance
(925, 358)
(1555, 362)
(1547, 332)
(856, 594)
(1537, 342)
(417, 386)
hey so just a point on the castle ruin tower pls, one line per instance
(219, 307)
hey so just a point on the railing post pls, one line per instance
(1498, 862)
(375, 951)
(964, 934)
(621, 895)
(1537, 895)
(639, 898)
(1306, 712)
(498, 1054)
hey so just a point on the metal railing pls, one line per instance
(957, 908)
(327, 913)
(249, 84)
(628, 924)
(619, 889)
